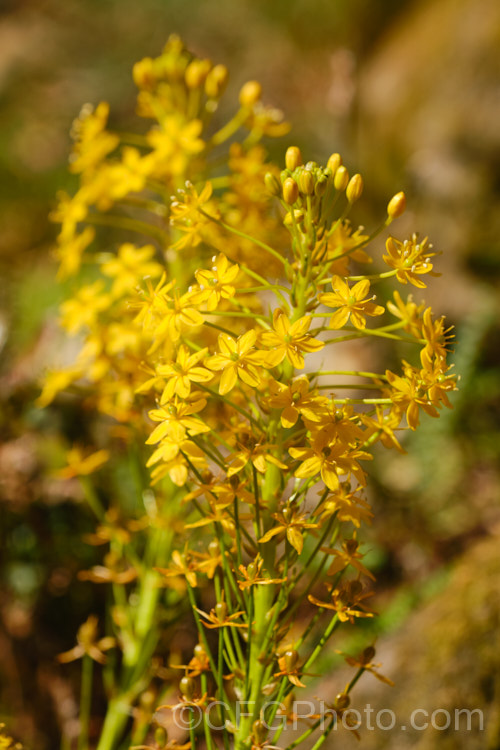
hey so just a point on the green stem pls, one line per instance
(85, 702)
(245, 236)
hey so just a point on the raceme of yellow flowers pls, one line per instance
(212, 294)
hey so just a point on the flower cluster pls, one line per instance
(218, 340)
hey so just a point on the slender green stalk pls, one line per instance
(85, 701)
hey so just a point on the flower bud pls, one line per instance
(334, 162)
(290, 191)
(306, 182)
(214, 548)
(161, 736)
(196, 73)
(321, 185)
(396, 205)
(354, 189)
(291, 658)
(144, 74)
(272, 184)
(187, 687)
(341, 178)
(250, 93)
(199, 651)
(367, 655)
(216, 82)
(293, 158)
(221, 611)
(341, 702)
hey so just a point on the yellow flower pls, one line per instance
(436, 336)
(176, 420)
(342, 240)
(346, 601)
(70, 252)
(216, 283)
(181, 565)
(181, 372)
(6, 742)
(295, 399)
(57, 381)
(347, 555)
(410, 259)
(258, 452)
(409, 312)
(352, 303)
(408, 393)
(93, 142)
(78, 465)
(290, 524)
(237, 359)
(383, 426)
(438, 382)
(130, 266)
(69, 212)
(186, 215)
(173, 144)
(347, 505)
(87, 643)
(82, 310)
(290, 340)
(329, 460)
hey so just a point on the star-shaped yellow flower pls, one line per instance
(290, 340)
(352, 303)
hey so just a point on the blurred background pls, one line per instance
(409, 93)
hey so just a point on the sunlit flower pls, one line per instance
(352, 303)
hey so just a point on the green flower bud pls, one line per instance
(221, 611)
(187, 687)
(161, 736)
(199, 651)
(272, 184)
(306, 182)
(291, 658)
(214, 548)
